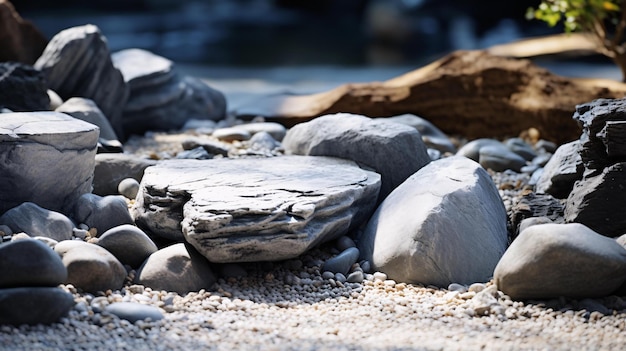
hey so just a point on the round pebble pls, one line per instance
(128, 187)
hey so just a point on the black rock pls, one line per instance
(43, 305)
(30, 263)
(22, 88)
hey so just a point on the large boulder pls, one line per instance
(37, 221)
(46, 158)
(22, 88)
(34, 305)
(20, 40)
(393, 150)
(261, 209)
(552, 260)
(445, 224)
(77, 62)
(30, 263)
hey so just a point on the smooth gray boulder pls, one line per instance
(37, 149)
(111, 169)
(90, 267)
(393, 150)
(37, 221)
(471, 150)
(499, 158)
(87, 110)
(445, 224)
(128, 244)
(102, 212)
(34, 305)
(30, 263)
(77, 62)
(255, 209)
(562, 171)
(432, 136)
(552, 260)
(133, 312)
(176, 268)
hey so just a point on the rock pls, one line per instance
(533, 205)
(395, 151)
(471, 150)
(521, 148)
(597, 201)
(175, 268)
(431, 135)
(211, 146)
(231, 134)
(37, 221)
(483, 302)
(86, 110)
(263, 142)
(255, 209)
(276, 130)
(19, 39)
(55, 99)
(22, 88)
(111, 169)
(529, 222)
(546, 146)
(344, 243)
(102, 212)
(30, 263)
(500, 158)
(134, 312)
(493, 96)
(201, 126)
(90, 267)
(128, 187)
(159, 98)
(38, 149)
(342, 262)
(129, 244)
(77, 62)
(34, 305)
(552, 260)
(562, 171)
(445, 224)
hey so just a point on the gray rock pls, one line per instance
(201, 126)
(533, 205)
(231, 270)
(77, 62)
(128, 187)
(55, 99)
(134, 312)
(445, 224)
(261, 209)
(198, 153)
(342, 262)
(597, 201)
(499, 158)
(40, 148)
(231, 134)
(276, 130)
(23, 88)
(344, 242)
(355, 277)
(37, 221)
(562, 171)
(142, 69)
(30, 263)
(211, 146)
(471, 150)
(175, 268)
(34, 305)
(432, 136)
(263, 141)
(90, 267)
(521, 148)
(102, 212)
(87, 110)
(529, 222)
(552, 260)
(545, 145)
(111, 169)
(394, 150)
(129, 244)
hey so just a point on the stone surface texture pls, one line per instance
(562, 171)
(22, 88)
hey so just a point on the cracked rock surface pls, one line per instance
(255, 209)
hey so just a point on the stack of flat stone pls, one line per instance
(159, 98)
(77, 62)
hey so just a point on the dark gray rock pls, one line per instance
(211, 146)
(30, 263)
(276, 130)
(134, 312)
(597, 201)
(90, 267)
(499, 158)
(255, 209)
(22, 88)
(533, 205)
(445, 224)
(37, 221)
(552, 260)
(521, 148)
(111, 169)
(562, 171)
(34, 305)
(129, 244)
(471, 150)
(87, 110)
(394, 150)
(102, 212)
(342, 262)
(77, 62)
(176, 268)
(38, 150)
(432, 136)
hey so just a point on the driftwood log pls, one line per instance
(469, 93)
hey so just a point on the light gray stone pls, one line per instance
(552, 260)
(499, 158)
(432, 136)
(133, 312)
(37, 149)
(276, 130)
(87, 110)
(231, 134)
(562, 171)
(30, 263)
(471, 150)
(128, 187)
(445, 224)
(111, 169)
(142, 69)
(521, 148)
(102, 212)
(37, 221)
(394, 150)
(129, 244)
(262, 209)
(34, 305)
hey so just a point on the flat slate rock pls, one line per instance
(255, 209)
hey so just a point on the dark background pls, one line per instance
(292, 32)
